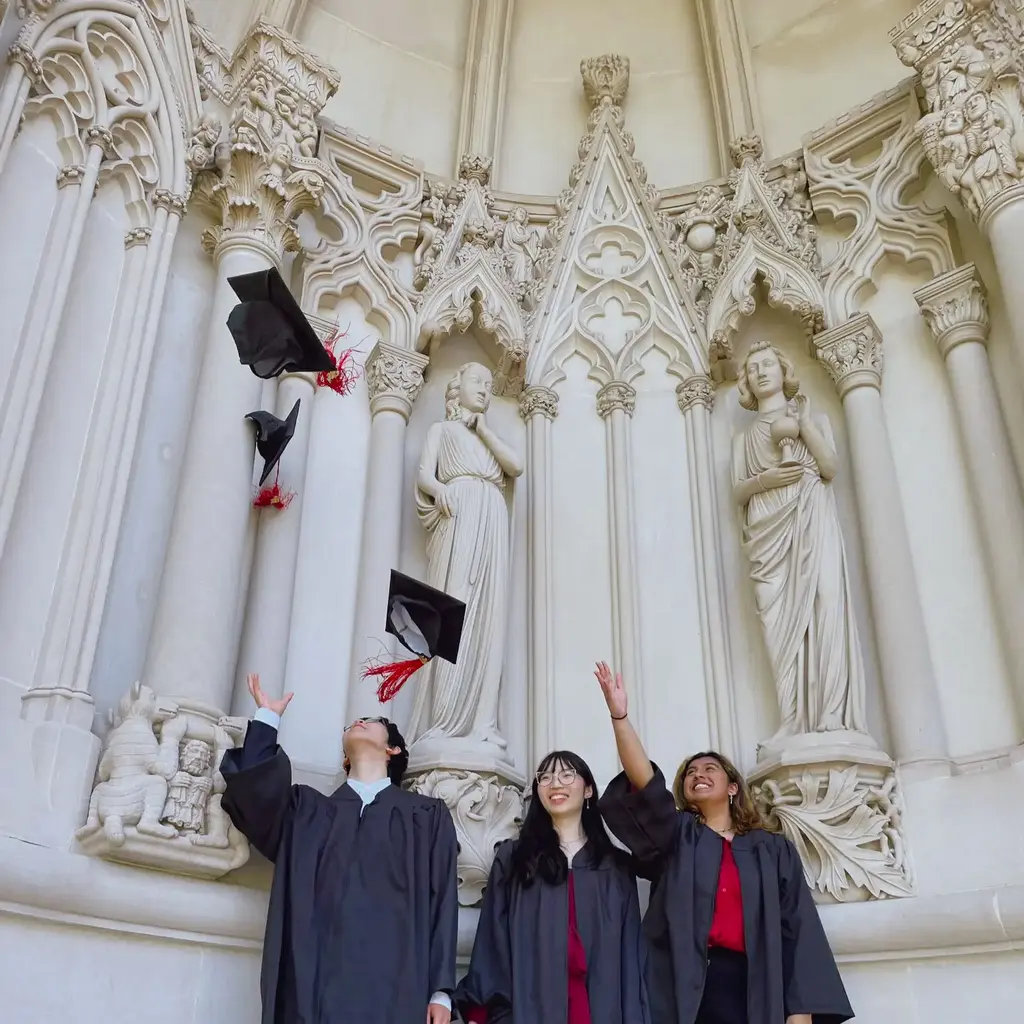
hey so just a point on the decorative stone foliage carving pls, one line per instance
(696, 390)
(845, 818)
(955, 308)
(609, 287)
(474, 268)
(538, 401)
(852, 353)
(871, 194)
(259, 178)
(487, 810)
(394, 375)
(157, 798)
(616, 394)
(968, 54)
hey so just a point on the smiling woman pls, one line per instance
(559, 935)
(754, 953)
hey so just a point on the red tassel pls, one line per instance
(273, 497)
(342, 379)
(393, 676)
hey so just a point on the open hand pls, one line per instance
(438, 1014)
(780, 476)
(803, 408)
(262, 700)
(613, 690)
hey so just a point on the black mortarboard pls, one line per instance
(427, 622)
(273, 435)
(271, 332)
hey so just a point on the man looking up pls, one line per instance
(363, 914)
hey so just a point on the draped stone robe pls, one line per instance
(468, 556)
(794, 542)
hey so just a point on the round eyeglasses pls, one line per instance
(564, 777)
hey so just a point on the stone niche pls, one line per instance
(156, 802)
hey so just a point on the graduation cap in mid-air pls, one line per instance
(427, 623)
(271, 332)
(273, 435)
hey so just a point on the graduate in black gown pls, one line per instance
(363, 915)
(559, 939)
(734, 935)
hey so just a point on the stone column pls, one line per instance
(286, 14)
(616, 402)
(852, 354)
(267, 183)
(696, 397)
(730, 74)
(483, 81)
(539, 407)
(268, 615)
(956, 310)
(969, 63)
(394, 377)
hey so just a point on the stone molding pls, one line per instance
(852, 354)
(955, 308)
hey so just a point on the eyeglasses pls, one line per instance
(565, 777)
(368, 721)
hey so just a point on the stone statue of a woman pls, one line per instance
(460, 500)
(782, 465)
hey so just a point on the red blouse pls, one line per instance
(727, 923)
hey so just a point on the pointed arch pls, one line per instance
(791, 285)
(474, 293)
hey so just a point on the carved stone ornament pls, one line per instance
(394, 375)
(694, 391)
(845, 817)
(538, 401)
(852, 353)
(487, 810)
(609, 289)
(263, 174)
(157, 798)
(955, 308)
(968, 54)
(872, 194)
(758, 224)
(614, 395)
(474, 268)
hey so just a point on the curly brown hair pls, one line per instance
(745, 815)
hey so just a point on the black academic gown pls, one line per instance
(790, 968)
(519, 968)
(363, 916)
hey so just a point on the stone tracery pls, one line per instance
(653, 288)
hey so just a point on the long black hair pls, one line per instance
(537, 853)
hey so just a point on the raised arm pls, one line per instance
(816, 432)
(258, 776)
(745, 487)
(637, 805)
(508, 458)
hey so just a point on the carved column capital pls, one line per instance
(261, 173)
(852, 354)
(696, 390)
(616, 394)
(538, 401)
(967, 54)
(605, 79)
(394, 377)
(955, 308)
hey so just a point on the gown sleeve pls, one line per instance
(487, 986)
(810, 977)
(645, 821)
(258, 794)
(444, 902)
